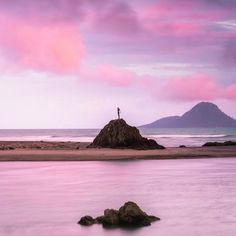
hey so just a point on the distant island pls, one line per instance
(203, 115)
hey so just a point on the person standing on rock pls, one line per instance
(118, 112)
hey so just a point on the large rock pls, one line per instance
(118, 134)
(129, 215)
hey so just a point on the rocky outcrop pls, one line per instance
(215, 144)
(118, 134)
(129, 215)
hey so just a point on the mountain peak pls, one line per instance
(205, 105)
(204, 109)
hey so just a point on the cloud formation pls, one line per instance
(118, 19)
(45, 10)
(230, 92)
(199, 87)
(55, 36)
(112, 76)
(55, 48)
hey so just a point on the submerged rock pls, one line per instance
(118, 134)
(215, 144)
(129, 215)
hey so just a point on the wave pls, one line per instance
(48, 138)
(188, 136)
(170, 139)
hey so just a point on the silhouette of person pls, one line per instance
(118, 112)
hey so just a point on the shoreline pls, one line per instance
(74, 151)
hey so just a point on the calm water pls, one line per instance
(166, 137)
(192, 197)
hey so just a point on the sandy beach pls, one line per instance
(74, 151)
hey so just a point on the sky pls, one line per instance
(71, 63)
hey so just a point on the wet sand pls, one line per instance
(74, 151)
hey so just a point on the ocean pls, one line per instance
(194, 197)
(166, 137)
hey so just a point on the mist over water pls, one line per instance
(192, 197)
(166, 137)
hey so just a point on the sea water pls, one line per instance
(194, 197)
(166, 137)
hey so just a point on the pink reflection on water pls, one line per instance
(192, 197)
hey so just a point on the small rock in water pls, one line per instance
(86, 220)
(216, 144)
(129, 215)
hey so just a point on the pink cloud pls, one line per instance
(114, 76)
(133, 28)
(190, 22)
(188, 10)
(119, 19)
(199, 87)
(55, 48)
(229, 53)
(230, 92)
(45, 10)
(110, 75)
(193, 88)
(178, 29)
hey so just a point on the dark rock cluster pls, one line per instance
(44, 145)
(3, 147)
(215, 144)
(118, 134)
(129, 215)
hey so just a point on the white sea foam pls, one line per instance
(187, 136)
(168, 138)
(47, 138)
